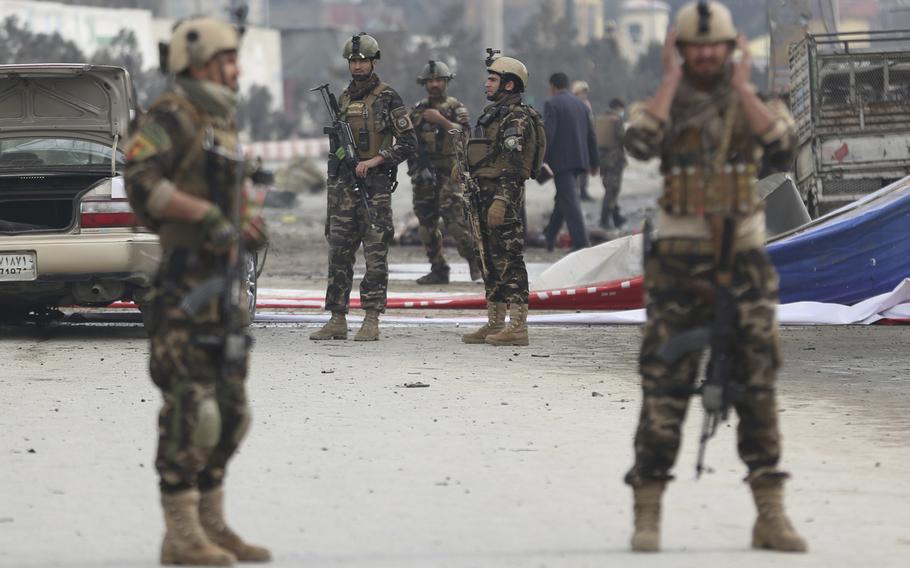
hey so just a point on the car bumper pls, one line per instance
(84, 268)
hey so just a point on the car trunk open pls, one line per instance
(60, 125)
(42, 202)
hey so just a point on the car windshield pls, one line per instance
(17, 153)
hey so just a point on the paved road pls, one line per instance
(508, 458)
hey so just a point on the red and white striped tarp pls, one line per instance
(285, 150)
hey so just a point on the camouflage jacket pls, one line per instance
(380, 124)
(508, 144)
(435, 138)
(167, 154)
(697, 119)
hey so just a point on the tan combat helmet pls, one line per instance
(705, 22)
(435, 70)
(361, 46)
(510, 69)
(195, 41)
(579, 87)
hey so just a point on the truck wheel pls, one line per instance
(812, 205)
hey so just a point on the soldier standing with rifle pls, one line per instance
(184, 177)
(436, 194)
(360, 188)
(708, 268)
(507, 148)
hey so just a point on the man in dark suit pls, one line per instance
(571, 150)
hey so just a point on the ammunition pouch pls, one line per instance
(696, 191)
(479, 150)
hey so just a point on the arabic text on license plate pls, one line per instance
(16, 266)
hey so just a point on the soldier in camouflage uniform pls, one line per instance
(610, 129)
(709, 129)
(385, 137)
(507, 148)
(174, 177)
(436, 194)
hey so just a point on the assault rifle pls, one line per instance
(719, 390)
(231, 340)
(346, 152)
(472, 190)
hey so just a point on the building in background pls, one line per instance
(641, 23)
(92, 28)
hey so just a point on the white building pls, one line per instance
(642, 23)
(92, 28)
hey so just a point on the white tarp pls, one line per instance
(619, 259)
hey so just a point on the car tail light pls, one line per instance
(105, 206)
(97, 214)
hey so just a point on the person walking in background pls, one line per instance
(571, 149)
(610, 128)
(581, 89)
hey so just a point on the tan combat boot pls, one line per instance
(369, 330)
(647, 516)
(185, 542)
(496, 322)
(772, 528)
(516, 333)
(335, 328)
(211, 516)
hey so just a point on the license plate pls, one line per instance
(17, 266)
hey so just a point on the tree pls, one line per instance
(123, 51)
(21, 45)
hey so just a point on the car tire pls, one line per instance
(251, 279)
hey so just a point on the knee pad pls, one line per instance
(425, 234)
(208, 424)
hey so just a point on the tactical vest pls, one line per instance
(369, 125)
(489, 158)
(606, 129)
(435, 138)
(709, 162)
(191, 175)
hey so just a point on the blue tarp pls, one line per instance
(849, 255)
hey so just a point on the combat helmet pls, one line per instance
(435, 70)
(195, 41)
(361, 46)
(579, 87)
(510, 69)
(705, 22)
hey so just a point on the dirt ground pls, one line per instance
(510, 457)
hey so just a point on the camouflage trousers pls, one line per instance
(506, 279)
(205, 412)
(674, 306)
(347, 227)
(611, 170)
(443, 199)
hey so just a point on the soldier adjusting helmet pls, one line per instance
(705, 22)
(510, 69)
(435, 70)
(196, 41)
(361, 46)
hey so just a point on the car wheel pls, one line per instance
(251, 280)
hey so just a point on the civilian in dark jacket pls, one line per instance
(571, 149)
